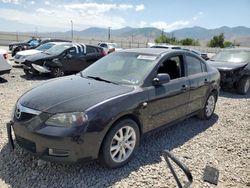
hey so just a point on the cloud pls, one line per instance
(61, 18)
(171, 26)
(197, 16)
(44, 11)
(142, 24)
(139, 7)
(11, 1)
(32, 2)
(47, 3)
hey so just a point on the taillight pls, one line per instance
(5, 56)
(103, 53)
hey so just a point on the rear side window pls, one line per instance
(193, 65)
(90, 50)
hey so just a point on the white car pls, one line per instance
(109, 47)
(166, 46)
(21, 56)
(5, 65)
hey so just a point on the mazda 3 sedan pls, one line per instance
(103, 112)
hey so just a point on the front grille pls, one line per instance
(25, 116)
(26, 144)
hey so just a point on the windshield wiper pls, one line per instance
(100, 79)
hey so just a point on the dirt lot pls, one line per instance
(222, 142)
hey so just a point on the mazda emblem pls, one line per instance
(18, 113)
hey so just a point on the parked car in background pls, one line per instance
(20, 57)
(203, 55)
(109, 47)
(5, 65)
(234, 67)
(165, 46)
(63, 58)
(31, 44)
(102, 112)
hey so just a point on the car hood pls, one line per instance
(70, 94)
(28, 52)
(224, 66)
(40, 57)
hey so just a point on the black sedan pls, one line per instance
(102, 112)
(31, 44)
(63, 58)
(234, 67)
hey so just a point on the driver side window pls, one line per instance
(173, 66)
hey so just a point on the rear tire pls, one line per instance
(243, 85)
(208, 110)
(120, 144)
(57, 72)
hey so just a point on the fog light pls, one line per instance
(58, 153)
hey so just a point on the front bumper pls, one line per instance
(56, 148)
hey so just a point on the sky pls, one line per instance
(56, 15)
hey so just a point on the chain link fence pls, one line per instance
(7, 38)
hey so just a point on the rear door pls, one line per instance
(199, 82)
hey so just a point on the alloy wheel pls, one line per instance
(123, 144)
(210, 105)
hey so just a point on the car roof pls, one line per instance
(152, 51)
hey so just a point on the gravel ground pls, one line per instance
(222, 142)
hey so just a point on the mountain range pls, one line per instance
(239, 34)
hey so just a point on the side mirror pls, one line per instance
(161, 78)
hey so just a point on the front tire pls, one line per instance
(57, 72)
(243, 85)
(30, 73)
(120, 144)
(208, 110)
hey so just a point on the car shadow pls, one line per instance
(232, 93)
(20, 169)
(3, 80)
(38, 77)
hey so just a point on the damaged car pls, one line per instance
(234, 67)
(62, 58)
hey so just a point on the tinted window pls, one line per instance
(193, 65)
(90, 50)
(172, 66)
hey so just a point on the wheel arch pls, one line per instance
(120, 118)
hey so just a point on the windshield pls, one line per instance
(122, 68)
(57, 49)
(232, 56)
(45, 46)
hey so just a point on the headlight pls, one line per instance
(67, 119)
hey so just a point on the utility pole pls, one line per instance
(132, 38)
(162, 32)
(72, 35)
(109, 33)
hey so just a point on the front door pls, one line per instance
(169, 102)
